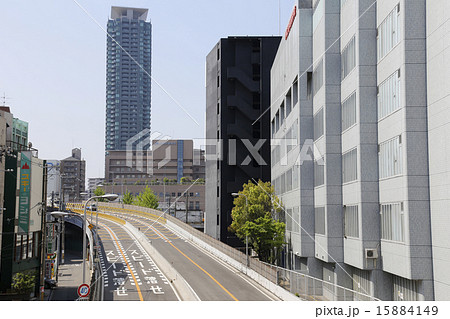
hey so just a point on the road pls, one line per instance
(209, 278)
(129, 272)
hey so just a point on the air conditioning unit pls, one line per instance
(371, 253)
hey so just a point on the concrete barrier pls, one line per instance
(183, 289)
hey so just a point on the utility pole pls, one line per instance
(187, 202)
(43, 230)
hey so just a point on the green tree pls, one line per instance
(256, 219)
(100, 192)
(146, 199)
(128, 198)
(23, 282)
(184, 180)
(165, 180)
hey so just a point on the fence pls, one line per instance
(302, 285)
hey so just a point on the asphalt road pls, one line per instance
(129, 272)
(210, 278)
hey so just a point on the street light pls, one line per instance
(109, 197)
(246, 233)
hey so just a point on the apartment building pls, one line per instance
(73, 176)
(128, 70)
(349, 85)
(237, 97)
(167, 159)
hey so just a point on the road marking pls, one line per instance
(121, 251)
(207, 273)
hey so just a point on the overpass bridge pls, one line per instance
(146, 254)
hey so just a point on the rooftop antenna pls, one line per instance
(4, 98)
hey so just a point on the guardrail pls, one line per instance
(302, 285)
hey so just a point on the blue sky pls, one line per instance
(52, 65)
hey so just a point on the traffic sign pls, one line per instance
(84, 290)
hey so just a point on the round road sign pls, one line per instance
(84, 290)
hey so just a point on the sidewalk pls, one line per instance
(70, 276)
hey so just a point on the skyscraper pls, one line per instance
(128, 82)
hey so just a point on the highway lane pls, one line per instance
(210, 278)
(129, 272)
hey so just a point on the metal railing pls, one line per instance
(300, 284)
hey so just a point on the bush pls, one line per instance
(23, 282)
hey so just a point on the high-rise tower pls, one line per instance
(128, 82)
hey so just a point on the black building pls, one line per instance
(237, 119)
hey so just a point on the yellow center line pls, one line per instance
(124, 258)
(207, 273)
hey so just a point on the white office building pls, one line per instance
(352, 83)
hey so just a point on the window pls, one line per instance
(289, 180)
(319, 11)
(295, 93)
(273, 128)
(405, 289)
(318, 124)
(319, 173)
(197, 205)
(361, 282)
(296, 220)
(349, 166)
(295, 176)
(349, 112)
(283, 183)
(318, 77)
(351, 227)
(390, 157)
(288, 103)
(388, 33)
(392, 222)
(277, 121)
(308, 84)
(289, 219)
(389, 95)
(343, 2)
(319, 214)
(348, 59)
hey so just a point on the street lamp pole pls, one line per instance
(246, 234)
(109, 197)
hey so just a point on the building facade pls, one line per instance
(173, 198)
(93, 183)
(438, 95)
(128, 78)
(237, 126)
(349, 85)
(22, 192)
(169, 160)
(73, 175)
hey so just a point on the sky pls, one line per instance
(53, 65)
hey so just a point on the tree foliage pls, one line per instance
(184, 180)
(257, 219)
(128, 198)
(146, 199)
(23, 282)
(100, 192)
